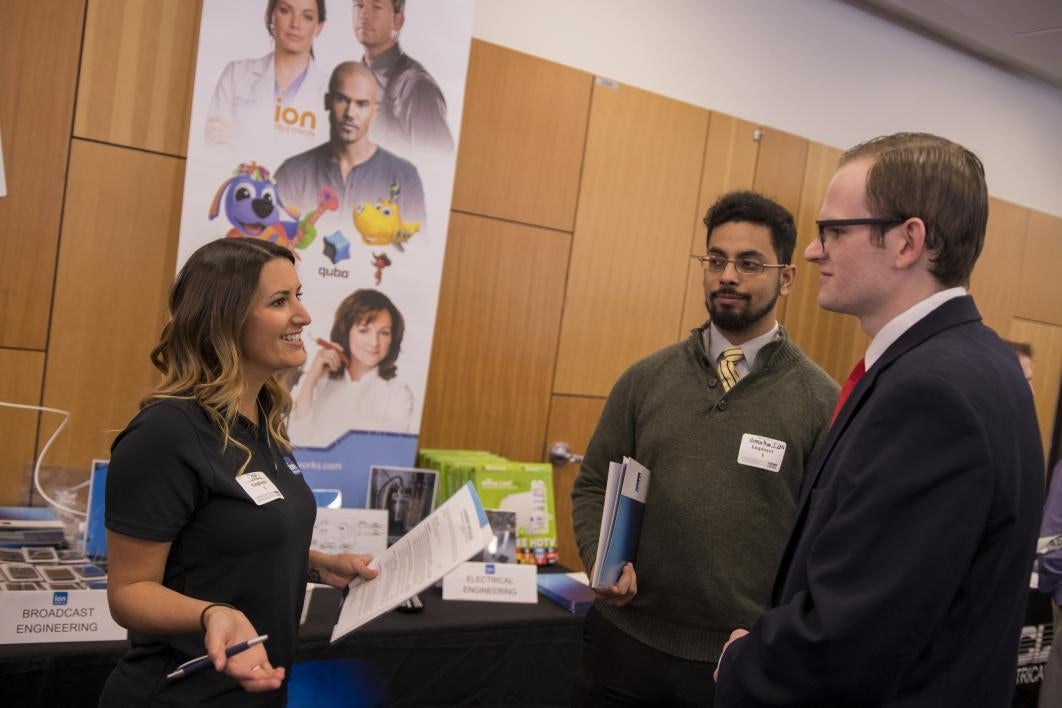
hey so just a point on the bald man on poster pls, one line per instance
(905, 578)
(350, 162)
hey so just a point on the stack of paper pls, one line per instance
(621, 520)
(455, 532)
(29, 526)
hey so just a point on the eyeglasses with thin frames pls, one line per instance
(744, 266)
(885, 222)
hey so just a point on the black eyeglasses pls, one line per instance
(885, 222)
(745, 266)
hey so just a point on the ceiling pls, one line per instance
(1024, 36)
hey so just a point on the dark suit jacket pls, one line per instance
(905, 577)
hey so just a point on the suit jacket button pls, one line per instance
(712, 382)
(721, 405)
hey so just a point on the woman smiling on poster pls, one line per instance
(253, 95)
(351, 383)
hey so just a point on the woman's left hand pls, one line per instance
(339, 569)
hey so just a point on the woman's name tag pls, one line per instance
(259, 487)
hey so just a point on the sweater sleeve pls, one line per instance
(613, 438)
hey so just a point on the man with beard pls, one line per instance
(350, 162)
(726, 421)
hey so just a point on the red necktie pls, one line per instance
(849, 384)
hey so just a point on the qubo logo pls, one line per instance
(60, 598)
(490, 569)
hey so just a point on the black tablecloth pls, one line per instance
(451, 653)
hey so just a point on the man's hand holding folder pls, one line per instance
(613, 578)
(623, 591)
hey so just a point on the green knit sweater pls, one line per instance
(714, 529)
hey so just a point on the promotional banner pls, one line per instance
(330, 127)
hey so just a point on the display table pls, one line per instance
(451, 653)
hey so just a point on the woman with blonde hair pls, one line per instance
(208, 518)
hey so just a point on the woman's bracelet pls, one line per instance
(202, 615)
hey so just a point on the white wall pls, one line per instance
(818, 68)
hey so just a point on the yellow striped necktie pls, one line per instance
(728, 372)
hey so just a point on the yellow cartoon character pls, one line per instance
(381, 224)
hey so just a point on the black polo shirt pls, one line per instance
(169, 481)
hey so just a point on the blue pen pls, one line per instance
(202, 662)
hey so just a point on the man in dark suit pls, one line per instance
(905, 577)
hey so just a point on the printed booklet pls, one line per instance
(569, 590)
(621, 520)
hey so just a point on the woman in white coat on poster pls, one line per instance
(260, 102)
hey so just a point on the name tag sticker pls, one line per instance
(259, 488)
(758, 451)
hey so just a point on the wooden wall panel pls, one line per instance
(780, 176)
(572, 419)
(780, 167)
(729, 163)
(1039, 297)
(993, 284)
(495, 337)
(38, 74)
(835, 342)
(1046, 341)
(20, 382)
(730, 154)
(630, 254)
(522, 134)
(137, 73)
(116, 264)
(694, 309)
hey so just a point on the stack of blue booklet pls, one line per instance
(621, 520)
(569, 590)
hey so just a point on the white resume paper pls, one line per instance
(454, 532)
